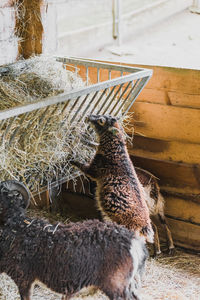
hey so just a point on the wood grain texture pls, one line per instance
(184, 100)
(185, 234)
(165, 150)
(173, 79)
(171, 174)
(182, 209)
(166, 122)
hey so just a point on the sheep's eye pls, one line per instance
(101, 121)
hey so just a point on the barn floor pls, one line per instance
(167, 278)
(174, 42)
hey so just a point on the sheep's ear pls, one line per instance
(14, 185)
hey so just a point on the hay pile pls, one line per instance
(36, 148)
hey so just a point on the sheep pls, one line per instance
(66, 258)
(120, 196)
(155, 203)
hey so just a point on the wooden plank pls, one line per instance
(184, 100)
(173, 79)
(182, 209)
(171, 173)
(165, 150)
(153, 96)
(185, 234)
(29, 27)
(166, 122)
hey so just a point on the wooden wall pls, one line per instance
(167, 143)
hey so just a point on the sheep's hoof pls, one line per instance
(157, 254)
(172, 251)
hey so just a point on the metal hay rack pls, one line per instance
(109, 89)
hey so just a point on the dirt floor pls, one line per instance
(174, 277)
(174, 42)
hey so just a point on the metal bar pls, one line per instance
(124, 91)
(65, 106)
(137, 91)
(118, 90)
(31, 120)
(112, 90)
(43, 114)
(127, 97)
(98, 75)
(97, 64)
(71, 95)
(49, 118)
(8, 128)
(87, 76)
(2, 124)
(87, 107)
(17, 129)
(79, 109)
(96, 104)
(75, 102)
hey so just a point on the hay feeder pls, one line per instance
(58, 123)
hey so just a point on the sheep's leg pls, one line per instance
(91, 170)
(86, 169)
(64, 297)
(168, 233)
(24, 287)
(157, 250)
(25, 294)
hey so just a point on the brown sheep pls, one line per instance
(66, 258)
(119, 194)
(155, 203)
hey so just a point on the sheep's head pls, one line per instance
(103, 123)
(13, 194)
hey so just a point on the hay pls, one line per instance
(37, 147)
(175, 277)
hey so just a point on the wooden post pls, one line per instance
(29, 28)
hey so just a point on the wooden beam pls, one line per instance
(29, 28)
(184, 100)
(153, 96)
(176, 175)
(165, 150)
(185, 234)
(166, 122)
(182, 209)
(173, 79)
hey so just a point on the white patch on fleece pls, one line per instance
(154, 208)
(150, 201)
(137, 254)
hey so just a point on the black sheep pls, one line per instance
(66, 258)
